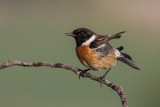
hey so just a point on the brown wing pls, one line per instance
(101, 39)
(101, 46)
(115, 36)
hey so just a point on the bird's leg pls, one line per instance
(103, 76)
(82, 72)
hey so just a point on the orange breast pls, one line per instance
(90, 58)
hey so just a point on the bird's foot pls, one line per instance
(102, 78)
(82, 73)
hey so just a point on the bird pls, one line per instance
(95, 52)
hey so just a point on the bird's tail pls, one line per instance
(127, 62)
(125, 58)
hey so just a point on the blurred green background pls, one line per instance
(34, 31)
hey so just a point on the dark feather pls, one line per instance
(101, 46)
(103, 51)
(127, 56)
(101, 39)
(98, 41)
(124, 54)
(120, 48)
(115, 36)
(125, 61)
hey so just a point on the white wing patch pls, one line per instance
(101, 46)
(89, 40)
(118, 54)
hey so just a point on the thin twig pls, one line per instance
(76, 70)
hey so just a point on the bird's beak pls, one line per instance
(70, 34)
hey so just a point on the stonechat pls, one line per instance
(95, 52)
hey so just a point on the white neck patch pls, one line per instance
(89, 40)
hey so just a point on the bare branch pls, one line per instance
(76, 70)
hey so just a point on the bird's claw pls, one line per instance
(102, 78)
(82, 73)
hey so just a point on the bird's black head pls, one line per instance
(82, 35)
